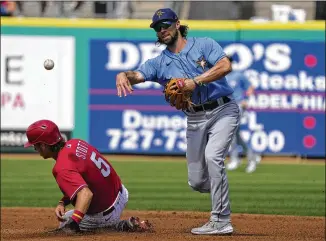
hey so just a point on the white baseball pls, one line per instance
(48, 64)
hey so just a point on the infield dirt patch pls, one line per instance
(32, 223)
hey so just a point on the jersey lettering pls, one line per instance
(101, 164)
(81, 150)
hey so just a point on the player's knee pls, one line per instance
(215, 162)
(198, 186)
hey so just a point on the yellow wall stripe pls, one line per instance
(144, 24)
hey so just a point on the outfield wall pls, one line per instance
(285, 62)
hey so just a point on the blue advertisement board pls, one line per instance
(286, 115)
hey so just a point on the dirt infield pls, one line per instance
(23, 224)
(32, 223)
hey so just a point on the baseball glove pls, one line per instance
(175, 95)
(133, 224)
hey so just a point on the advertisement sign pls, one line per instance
(289, 100)
(136, 131)
(285, 116)
(30, 92)
(13, 140)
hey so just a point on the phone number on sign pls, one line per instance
(145, 139)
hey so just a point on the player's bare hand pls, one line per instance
(60, 212)
(189, 85)
(123, 85)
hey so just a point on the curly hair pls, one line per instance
(184, 30)
(58, 146)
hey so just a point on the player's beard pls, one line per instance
(172, 41)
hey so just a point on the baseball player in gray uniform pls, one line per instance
(242, 90)
(213, 117)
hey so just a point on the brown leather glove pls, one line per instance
(175, 95)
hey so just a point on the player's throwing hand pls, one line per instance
(123, 84)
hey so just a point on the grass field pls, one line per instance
(289, 189)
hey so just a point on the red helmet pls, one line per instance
(43, 131)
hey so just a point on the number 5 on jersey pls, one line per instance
(101, 164)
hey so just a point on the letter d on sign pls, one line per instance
(131, 119)
(116, 52)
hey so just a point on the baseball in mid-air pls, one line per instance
(48, 64)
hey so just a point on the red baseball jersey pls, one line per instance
(80, 165)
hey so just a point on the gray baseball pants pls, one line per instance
(237, 140)
(209, 135)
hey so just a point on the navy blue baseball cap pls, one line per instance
(163, 14)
